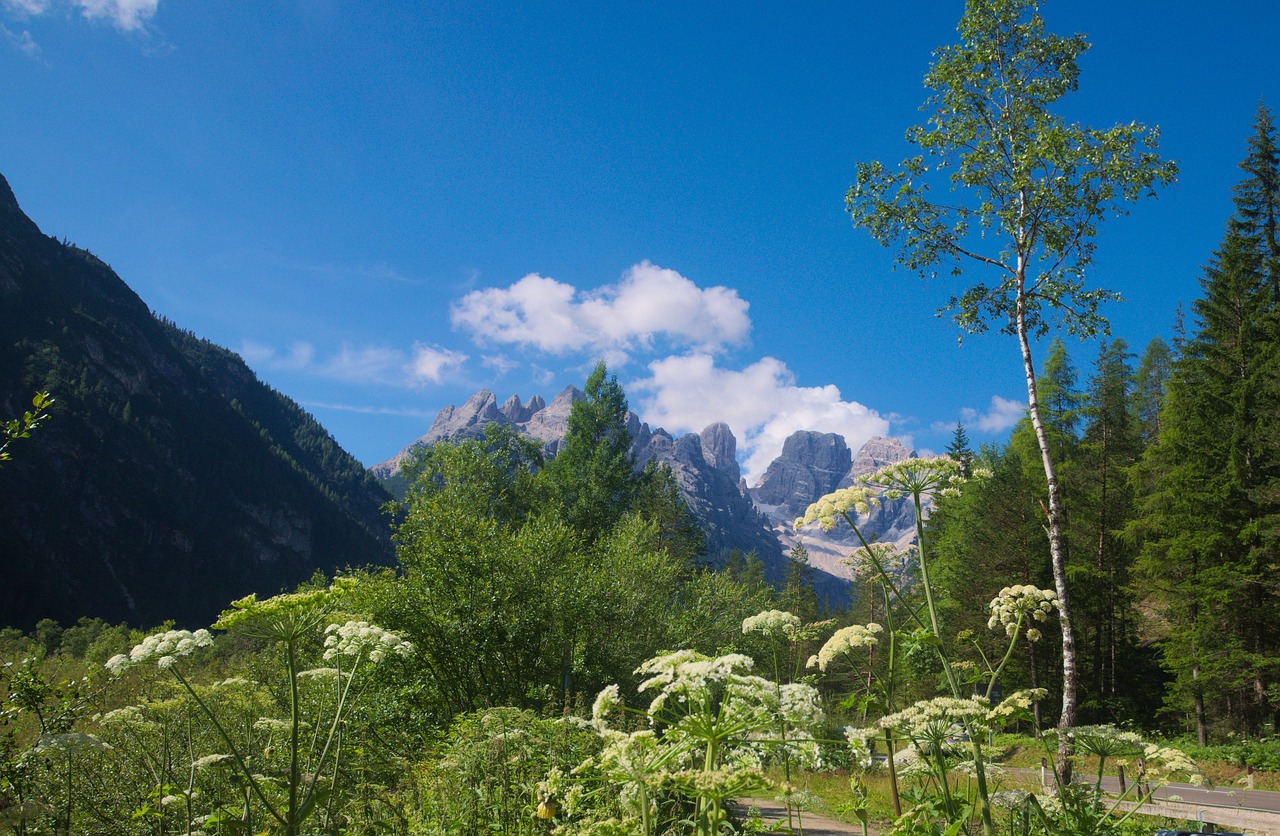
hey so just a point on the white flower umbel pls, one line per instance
(847, 640)
(1015, 605)
(161, 648)
(830, 509)
(772, 623)
(358, 638)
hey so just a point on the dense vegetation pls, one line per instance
(550, 655)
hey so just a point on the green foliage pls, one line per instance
(1025, 189)
(593, 473)
(1210, 543)
(482, 775)
(16, 428)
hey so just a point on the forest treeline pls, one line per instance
(1170, 468)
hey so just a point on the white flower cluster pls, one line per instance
(936, 475)
(161, 648)
(850, 638)
(1014, 604)
(939, 718)
(772, 623)
(1165, 761)
(830, 509)
(356, 638)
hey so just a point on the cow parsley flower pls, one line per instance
(358, 638)
(161, 648)
(1016, 604)
(830, 509)
(772, 623)
(847, 640)
(935, 475)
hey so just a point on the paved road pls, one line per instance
(1237, 797)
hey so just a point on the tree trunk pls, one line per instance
(1056, 543)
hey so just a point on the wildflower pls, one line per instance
(211, 760)
(71, 743)
(605, 702)
(161, 648)
(939, 718)
(356, 638)
(1010, 799)
(829, 509)
(847, 640)
(772, 623)
(1014, 604)
(286, 617)
(917, 477)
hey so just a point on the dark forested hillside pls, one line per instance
(168, 479)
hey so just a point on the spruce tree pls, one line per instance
(960, 450)
(1210, 532)
(593, 475)
(1148, 391)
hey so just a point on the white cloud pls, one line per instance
(298, 357)
(430, 363)
(649, 303)
(125, 15)
(761, 403)
(376, 364)
(1001, 414)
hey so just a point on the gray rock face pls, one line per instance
(720, 449)
(877, 453)
(706, 470)
(811, 465)
(550, 423)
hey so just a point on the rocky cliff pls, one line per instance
(813, 464)
(168, 480)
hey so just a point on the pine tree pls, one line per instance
(1257, 197)
(960, 450)
(1101, 504)
(798, 596)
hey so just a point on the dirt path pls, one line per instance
(813, 824)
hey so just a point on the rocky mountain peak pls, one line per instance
(812, 464)
(720, 449)
(877, 453)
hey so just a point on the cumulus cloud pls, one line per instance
(1001, 414)
(647, 305)
(375, 364)
(298, 356)
(761, 403)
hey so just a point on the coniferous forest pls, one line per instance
(554, 650)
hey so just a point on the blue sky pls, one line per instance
(386, 206)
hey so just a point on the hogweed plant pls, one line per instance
(288, 621)
(786, 635)
(708, 729)
(920, 480)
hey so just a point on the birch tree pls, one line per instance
(1006, 191)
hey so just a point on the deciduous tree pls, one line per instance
(1004, 186)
